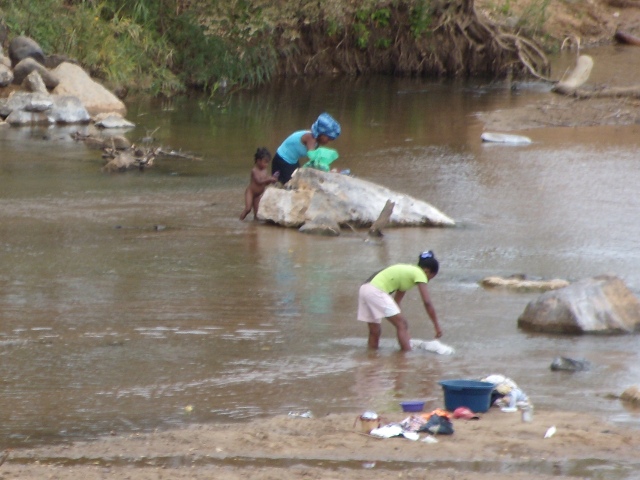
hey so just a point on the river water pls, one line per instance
(138, 300)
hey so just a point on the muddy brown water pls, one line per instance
(111, 324)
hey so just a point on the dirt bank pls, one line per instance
(585, 23)
(576, 26)
(498, 446)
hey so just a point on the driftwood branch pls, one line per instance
(173, 153)
(383, 219)
(122, 155)
(572, 85)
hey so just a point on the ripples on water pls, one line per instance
(109, 324)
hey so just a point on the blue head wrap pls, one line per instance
(428, 260)
(325, 125)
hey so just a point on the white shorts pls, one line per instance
(374, 304)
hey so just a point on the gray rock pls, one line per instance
(23, 118)
(28, 65)
(601, 304)
(6, 76)
(39, 102)
(68, 109)
(569, 364)
(17, 101)
(27, 101)
(26, 108)
(34, 83)
(24, 47)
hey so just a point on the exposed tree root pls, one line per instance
(459, 43)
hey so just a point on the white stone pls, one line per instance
(311, 193)
(112, 120)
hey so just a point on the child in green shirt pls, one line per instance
(375, 300)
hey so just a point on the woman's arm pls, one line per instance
(398, 296)
(428, 306)
(308, 141)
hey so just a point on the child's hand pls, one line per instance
(275, 176)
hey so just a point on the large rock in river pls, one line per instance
(76, 82)
(601, 304)
(347, 200)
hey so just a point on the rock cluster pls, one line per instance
(39, 89)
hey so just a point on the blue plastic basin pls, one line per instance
(474, 395)
(412, 406)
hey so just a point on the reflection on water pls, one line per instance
(109, 324)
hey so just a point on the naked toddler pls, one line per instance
(258, 183)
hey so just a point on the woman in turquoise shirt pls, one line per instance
(375, 300)
(298, 144)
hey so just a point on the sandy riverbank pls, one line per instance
(498, 446)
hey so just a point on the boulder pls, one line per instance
(26, 108)
(601, 304)
(68, 109)
(285, 207)
(6, 75)
(28, 65)
(24, 47)
(38, 102)
(96, 98)
(34, 83)
(349, 201)
(22, 118)
(32, 102)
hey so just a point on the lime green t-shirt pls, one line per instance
(401, 277)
